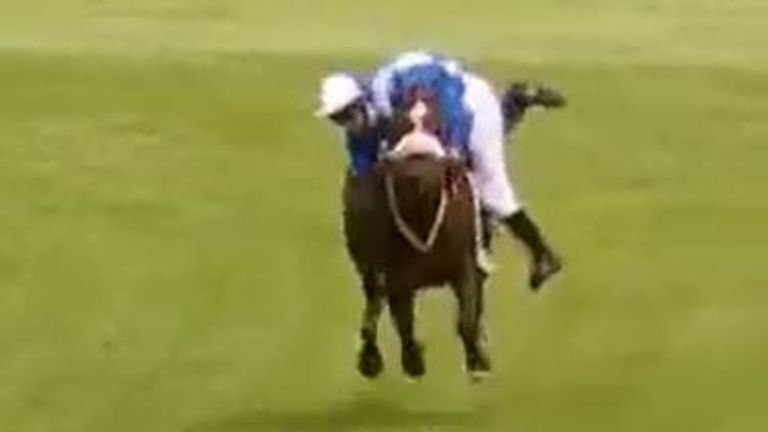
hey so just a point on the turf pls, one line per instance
(170, 253)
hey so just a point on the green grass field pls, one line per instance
(170, 248)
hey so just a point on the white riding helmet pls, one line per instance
(337, 91)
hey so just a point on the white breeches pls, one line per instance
(486, 145)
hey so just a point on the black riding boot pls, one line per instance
(544, 262)
(520, 96)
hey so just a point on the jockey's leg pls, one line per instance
(496, 192)
(545, 262)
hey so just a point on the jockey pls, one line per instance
(472, 123)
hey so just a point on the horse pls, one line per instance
(412, 223)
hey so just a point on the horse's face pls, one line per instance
(432, 169)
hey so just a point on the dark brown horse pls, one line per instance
(410, 224)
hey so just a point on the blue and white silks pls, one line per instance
(390, 89)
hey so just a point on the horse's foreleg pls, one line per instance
(480, 306)
(370, 362)
(469, 293)
(401, 308)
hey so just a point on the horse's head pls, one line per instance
(418, 160)
(418, 189)
(419, 153)
(423, 174)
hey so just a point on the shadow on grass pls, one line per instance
(358, 414)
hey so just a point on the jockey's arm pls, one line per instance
(363, 150)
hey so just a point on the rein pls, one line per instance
(423, 246)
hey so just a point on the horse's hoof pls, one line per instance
(369, 361)
(478, 366)
(478, 376)
(413, 361)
